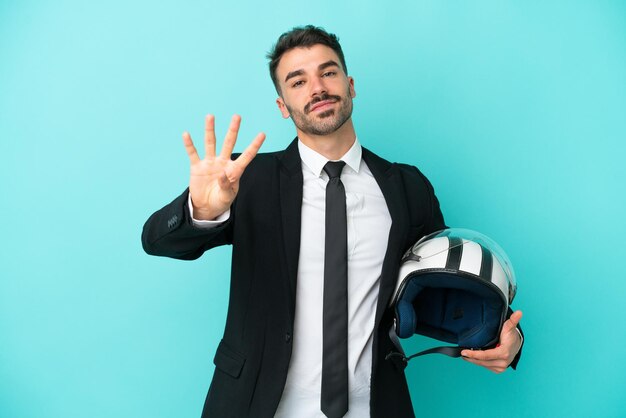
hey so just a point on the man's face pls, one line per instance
(315, 91)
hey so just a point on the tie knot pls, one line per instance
(333, 168)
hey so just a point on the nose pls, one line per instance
(317, 86)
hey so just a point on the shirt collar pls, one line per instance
(316, 161)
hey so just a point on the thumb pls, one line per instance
(512, 322)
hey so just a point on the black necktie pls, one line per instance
(334, 402)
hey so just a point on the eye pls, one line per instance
(298, 83)
(329, 74)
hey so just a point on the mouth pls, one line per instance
(322, 105)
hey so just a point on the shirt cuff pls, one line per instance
(203, 223)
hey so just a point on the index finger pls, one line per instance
(250, 152)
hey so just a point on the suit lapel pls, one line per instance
(291, 209)
(391, 185)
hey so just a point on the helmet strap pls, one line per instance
(445, 350)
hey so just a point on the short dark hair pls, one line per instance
(302, 37)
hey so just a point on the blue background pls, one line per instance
(515, 111)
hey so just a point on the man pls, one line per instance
(274, 357)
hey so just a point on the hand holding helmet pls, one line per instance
(498, 359)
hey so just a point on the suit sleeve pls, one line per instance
(436, 221)
(513, 364)
(170, 232)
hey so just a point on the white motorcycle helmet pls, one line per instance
(456, 286)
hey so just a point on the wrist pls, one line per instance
(203, 214)
(200, 214)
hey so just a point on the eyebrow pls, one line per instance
(323, 66)
(329, 63)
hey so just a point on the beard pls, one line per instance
(325, 122)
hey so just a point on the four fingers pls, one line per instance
(229, 143)
(498, 366)
(483, 355)
(494, 360)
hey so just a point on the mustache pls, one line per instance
(321, 98)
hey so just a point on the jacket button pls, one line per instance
(287, 338)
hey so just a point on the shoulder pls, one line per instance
(412, 172)
(408, 172)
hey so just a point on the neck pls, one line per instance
(334, 145)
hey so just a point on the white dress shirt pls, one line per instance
(368, 230)
(368, 224)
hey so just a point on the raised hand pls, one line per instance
(214, 180)
(498, 359)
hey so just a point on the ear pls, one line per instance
(282, 107)
(351, 85)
